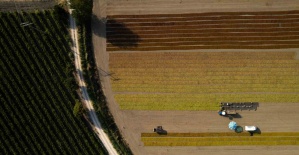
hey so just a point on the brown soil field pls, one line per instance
(269, 117)
(221, 30)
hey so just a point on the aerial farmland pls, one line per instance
(171, 64)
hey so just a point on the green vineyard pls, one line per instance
(38, 89)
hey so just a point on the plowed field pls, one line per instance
(220, 30)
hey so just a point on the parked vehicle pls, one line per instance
(250, 128)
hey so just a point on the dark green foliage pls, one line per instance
(91, 77)
(38, 89)
(82, 10)
(78, 109)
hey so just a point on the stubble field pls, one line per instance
(201, 80)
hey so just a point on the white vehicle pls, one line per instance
(250, 128)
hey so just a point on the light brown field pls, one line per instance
(269, 117)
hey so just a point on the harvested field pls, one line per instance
(159, 81)
(218, 30)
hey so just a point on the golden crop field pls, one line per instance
(220, 139)
(200, 80)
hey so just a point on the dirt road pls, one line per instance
(94, 118)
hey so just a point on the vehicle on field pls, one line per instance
(250, 128)
(159, 130)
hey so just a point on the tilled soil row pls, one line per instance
(211, 57)
(204, 22)
(223, 25)
(233, 46)
(208, 14)
(206, 38)
(145, 32)
(202, 18)
(211, 43)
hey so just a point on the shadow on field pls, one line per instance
(256, 132)
(231, 117)
(105, 73)
(115, 32)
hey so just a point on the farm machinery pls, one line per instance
(159, 130)
(228, 108)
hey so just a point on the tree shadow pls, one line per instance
(115, 32)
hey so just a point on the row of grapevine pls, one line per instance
(38, 90)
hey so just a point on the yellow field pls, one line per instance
(219, 139)
(200, 80)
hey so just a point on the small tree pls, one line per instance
(78, 109)
(82, 10)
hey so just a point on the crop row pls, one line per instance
(171, 69)
(201, 17)
(266, 81)
(225, 15)
(220, 134)
(208, 56)
(193, 60)
(219, 27)
(232, 46)
(207, 88)
(39, 89)
(221, 141)
(283, 22)
(182, 101)
(200, 36)
(203, 59)
(199, 63)
(209, 42)
(203, 33)
(198, 30)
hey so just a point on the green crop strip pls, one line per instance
(220, 139)
(200, 80)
